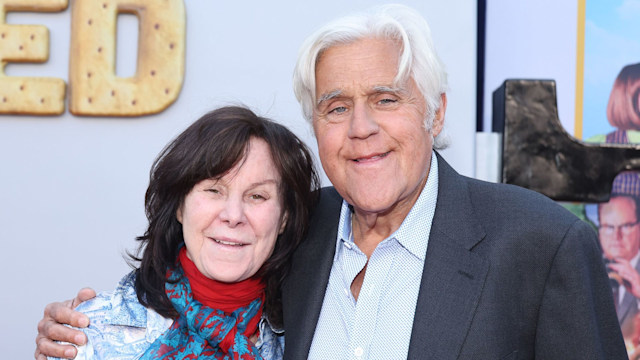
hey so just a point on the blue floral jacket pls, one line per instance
(121, 328)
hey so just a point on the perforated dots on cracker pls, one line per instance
(95, 88)
(28, 43)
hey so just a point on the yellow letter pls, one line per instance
(95, 89)
(28, 43)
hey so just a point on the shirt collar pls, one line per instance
(126, 310)
(409, 235)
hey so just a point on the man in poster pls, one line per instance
(619, 234)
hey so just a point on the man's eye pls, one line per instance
(338, 110)
(387, 101)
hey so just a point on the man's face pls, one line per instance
(618, 231)
(371, 137)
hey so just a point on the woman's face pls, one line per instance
(230, 225)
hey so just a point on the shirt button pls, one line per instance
(358, 351)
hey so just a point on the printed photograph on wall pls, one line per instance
(608, 76)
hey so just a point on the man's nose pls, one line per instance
(233, 212)
(363, 122)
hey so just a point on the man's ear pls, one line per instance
(438, 120)
(283, 224)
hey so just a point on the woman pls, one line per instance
(623, 108)
(227, 203)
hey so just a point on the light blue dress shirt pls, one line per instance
(121, 328)
(378, 325)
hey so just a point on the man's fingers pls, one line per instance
(50, 327)
(52, 330)
(619, 268)
(83, 295)
(46, 347)
(62, 313)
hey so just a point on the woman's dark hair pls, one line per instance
(207, 149)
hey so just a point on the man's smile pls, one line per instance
(372, 157)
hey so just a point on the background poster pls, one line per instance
(611, 114)
(611, 41)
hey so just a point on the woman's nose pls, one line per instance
(233, 212)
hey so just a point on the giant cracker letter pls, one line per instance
(28, 43)
(95, 88)
(540, 155)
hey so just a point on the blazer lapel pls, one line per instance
(628, 304)
(453, 276)
(305, 286)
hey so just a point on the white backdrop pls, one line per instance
(532, 40)
(73, 187)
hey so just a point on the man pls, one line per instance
(405, 258)
(619, 233)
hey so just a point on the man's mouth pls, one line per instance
(372, 157)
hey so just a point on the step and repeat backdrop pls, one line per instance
(91, 91)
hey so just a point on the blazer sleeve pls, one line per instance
(577, 318)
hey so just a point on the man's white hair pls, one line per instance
(418, 59)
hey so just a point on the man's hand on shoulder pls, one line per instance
(51, 328)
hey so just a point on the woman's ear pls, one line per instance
(179, 214)
(283, 223)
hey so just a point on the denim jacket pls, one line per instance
(122, 328)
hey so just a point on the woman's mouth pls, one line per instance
(227, 242)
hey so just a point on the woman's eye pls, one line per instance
(213, 191)
(257, 197)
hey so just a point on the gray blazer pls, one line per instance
(508, 274)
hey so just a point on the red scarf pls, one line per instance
(227, 297)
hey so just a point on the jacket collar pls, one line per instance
(453, 276)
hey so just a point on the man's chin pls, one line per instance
(374, 204)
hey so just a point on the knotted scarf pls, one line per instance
(215, 319)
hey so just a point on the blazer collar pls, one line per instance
(453, 276)
(455, 213)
